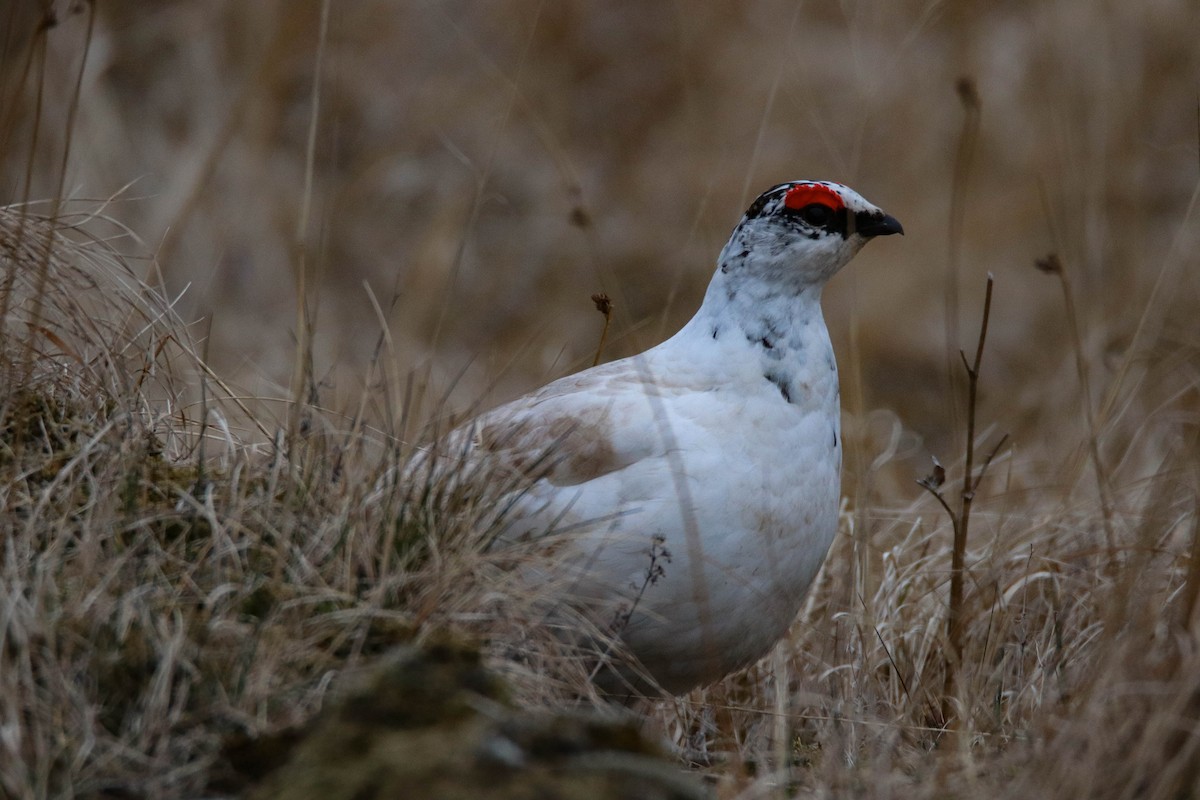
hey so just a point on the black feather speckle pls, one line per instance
(782, 382)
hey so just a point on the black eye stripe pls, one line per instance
(817, 214)
(821, 217)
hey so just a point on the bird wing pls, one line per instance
(569, 432)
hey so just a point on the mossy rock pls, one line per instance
(433, 722)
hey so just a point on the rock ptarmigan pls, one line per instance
(693, 490)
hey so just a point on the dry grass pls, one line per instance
(166, 583)
(190, 553)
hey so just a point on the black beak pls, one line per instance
(876, 223)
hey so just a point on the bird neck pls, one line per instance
(779, 318)
(764, 331)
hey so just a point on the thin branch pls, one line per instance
(962, 525)
(988, 462)
(604, 305)
(928, 485)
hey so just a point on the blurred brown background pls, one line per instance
(486, 166)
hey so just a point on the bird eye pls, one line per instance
(816, 214)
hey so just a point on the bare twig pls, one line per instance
(933, 482)
(987, 462)
(957, 556)
(960, 519)
(659, 555)
(604, 305)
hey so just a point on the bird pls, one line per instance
(691, 492)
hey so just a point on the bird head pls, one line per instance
(800, 233)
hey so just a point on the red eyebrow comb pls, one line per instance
(803, 194)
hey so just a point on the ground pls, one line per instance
(253, 253)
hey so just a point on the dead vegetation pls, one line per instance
(168, 584)
(192, 552)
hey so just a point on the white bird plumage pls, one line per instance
(720, 447)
